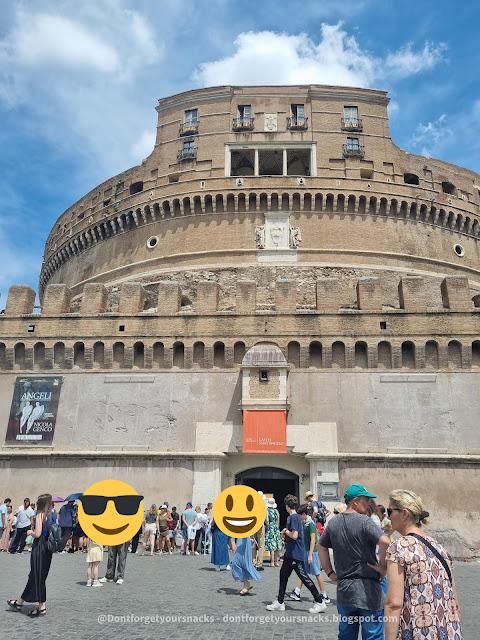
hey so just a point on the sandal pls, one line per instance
(36, 613)
(14, 604)
(243, 592)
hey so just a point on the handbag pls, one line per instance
(435, 553)
(192, 532)
(54, 540)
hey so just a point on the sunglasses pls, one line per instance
(390, 511)
(125, 505)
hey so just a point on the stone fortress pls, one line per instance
(276, 254)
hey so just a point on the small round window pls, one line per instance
(152, 242)
(459, 250)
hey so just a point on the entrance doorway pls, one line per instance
(273, 480)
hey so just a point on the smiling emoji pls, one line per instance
(110, 512)
(239, 511)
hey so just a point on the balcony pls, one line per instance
(352, 124)
(297, 124)
(188, 128)
(353, 152)
(243, 124)
(186, 154)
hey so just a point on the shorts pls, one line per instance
(185, 534)
(164, 533)
(314, 568)
(151, 529)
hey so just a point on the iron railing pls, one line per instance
(243, 124)
(352, 124)
(353, 152)
(296, 123)
(186, 154)
(188, 128)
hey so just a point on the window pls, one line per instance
(410, 178)
(188, 150)
(244, 113)
(298, 113)
(191, 118)
(263, 376)
(294, 159)
(136, 187)
(350, 115)
(353, 144)
(448, 187)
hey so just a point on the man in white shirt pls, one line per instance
(25, 518)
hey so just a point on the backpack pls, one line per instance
(322, 514)
(54, 539)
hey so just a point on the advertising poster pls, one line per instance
(34, 409)
(264, 431)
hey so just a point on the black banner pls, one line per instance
(34, 410)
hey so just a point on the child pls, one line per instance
(293, 560)
(94, 557)
(312, 564)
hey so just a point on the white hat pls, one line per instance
(272, 503)
(164, 506)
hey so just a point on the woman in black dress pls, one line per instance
(40, 560)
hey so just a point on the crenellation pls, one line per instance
(57, 300)
(132, 298)
(411, 293)
(94, 299)
(456, 293)
(20, 300)
(369, 294)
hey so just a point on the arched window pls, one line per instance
(159, 355)
(79, 355)
(384, 355)
(3, 355)
(238, 352)
(408, 355)
(338, 355)
(475, 354)
(454, 355)
(179, 355)
(293, 354)
(410, 178)
(431, 355)
(19, 356)
(139, 355)
(39, 355)
(59, 355)
(315, 355)
(118, 355)
(99, 354)
(136, 187)
(199, 354)
(219, 355)
(361, 358)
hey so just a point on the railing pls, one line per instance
(353, 152)
(297, 124)
(186, 154)
(352, 124)
(188, 128)
(243, 124)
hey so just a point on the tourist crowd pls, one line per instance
(394, 581)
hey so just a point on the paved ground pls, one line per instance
(172, 586)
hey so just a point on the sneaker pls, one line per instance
(89, 583)
(318, 607)
(196, 553)
(326, 599)
(188, 553)
(229, 568)
(106, 579)
(294, 596)
(217, 568)
(120, 581)
(97, 583)
(276, 606)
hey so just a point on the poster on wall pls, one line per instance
(264, 431)
(34, 410)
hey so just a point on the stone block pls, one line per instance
(246, 296)
(411, 293)
(132, 298)
(94, 299)
(169, 298)
(456, 294)
(20, 301)
(56, 300)
(207, 297)
(286, 296)
(369, 294)
(328, 297)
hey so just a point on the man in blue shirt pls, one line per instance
(66, 522)
(189, 519)
(293, 560)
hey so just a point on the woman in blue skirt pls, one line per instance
(242, 566)
(220, 557)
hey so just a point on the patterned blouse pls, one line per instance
(430, 610)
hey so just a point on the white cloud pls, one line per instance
(59, 42)
(336, 59)
(407, 62)
(431, 137)
(143, 147)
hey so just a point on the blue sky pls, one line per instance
(79, 82)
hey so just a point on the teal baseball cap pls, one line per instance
(357, 490)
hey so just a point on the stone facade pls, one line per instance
(306, 229)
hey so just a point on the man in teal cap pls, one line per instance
(354, 538)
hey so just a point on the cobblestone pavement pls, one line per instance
(172, 586)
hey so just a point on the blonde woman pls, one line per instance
(421, 596)
(150, 528)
